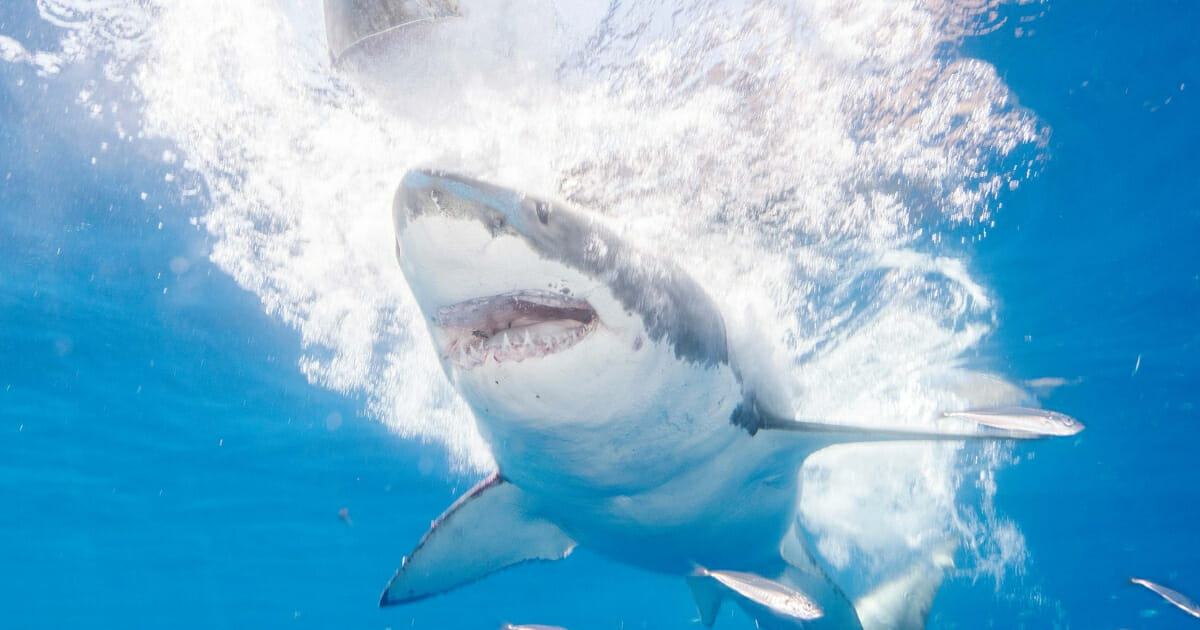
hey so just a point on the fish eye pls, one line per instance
(543, 211)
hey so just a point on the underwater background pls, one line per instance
(207, 351)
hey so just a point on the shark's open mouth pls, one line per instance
(513, 327)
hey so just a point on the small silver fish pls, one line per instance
(1181, 601)
(1047, 384)
(532, 626)
(1021, 419)
(779, 598)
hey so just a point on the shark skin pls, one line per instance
(602, 379)
(352, 25)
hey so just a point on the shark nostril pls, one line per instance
(543, 212)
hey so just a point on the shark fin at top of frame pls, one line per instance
(352, 23)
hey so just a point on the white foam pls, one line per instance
(800, 159)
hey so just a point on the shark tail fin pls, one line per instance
(708, 595)
(903, 603)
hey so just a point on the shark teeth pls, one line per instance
(467, 350)
(512, 327)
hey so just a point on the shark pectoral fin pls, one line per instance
(997, 423)
(846, 433)
(486, 530)
(708, 595)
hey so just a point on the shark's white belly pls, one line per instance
(602, 419)
(730, 511)
(655, 474)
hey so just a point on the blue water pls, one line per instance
(163, 462)
(1097, 265)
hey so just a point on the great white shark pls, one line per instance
(619, 416)
(618, 412)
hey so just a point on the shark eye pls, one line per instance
(543, 211)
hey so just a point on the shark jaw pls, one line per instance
(564, 341)
(512, 327)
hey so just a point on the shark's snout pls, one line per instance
(413, 199)
(460, 239)
(437, 194)
(485, 272)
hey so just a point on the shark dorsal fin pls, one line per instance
(484, 531)
(351, 23)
